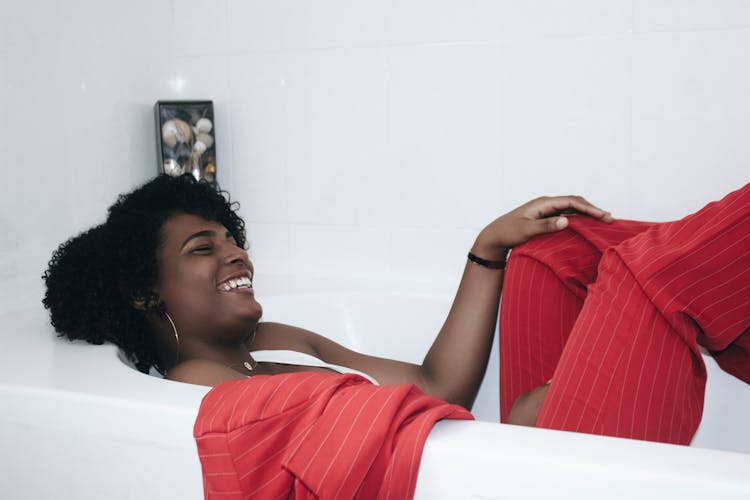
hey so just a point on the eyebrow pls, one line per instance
(208, 232)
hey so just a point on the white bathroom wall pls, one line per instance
(370, 138)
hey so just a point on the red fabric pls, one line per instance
(614, 314)
(314, 435)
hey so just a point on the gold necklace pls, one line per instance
(248, 366)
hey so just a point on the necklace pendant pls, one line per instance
(248, 366)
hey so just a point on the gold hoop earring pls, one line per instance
(176, 336)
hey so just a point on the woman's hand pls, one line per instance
(539, 216)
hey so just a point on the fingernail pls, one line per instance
(562, 222)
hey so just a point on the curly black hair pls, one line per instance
(94, 279)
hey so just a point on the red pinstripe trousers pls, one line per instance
(614, 315)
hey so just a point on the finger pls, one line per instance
(584, 206)
(552, 205)
(550, 224)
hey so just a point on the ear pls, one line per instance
(146, 301)
(138, 304)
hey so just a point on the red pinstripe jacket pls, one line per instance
(314, 435)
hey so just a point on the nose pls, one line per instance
(235, 255)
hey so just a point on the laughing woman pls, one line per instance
(597, 306)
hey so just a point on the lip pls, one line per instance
(245, 291)
(245, 273)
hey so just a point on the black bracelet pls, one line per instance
(490, 264)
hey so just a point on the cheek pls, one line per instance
(188, 289)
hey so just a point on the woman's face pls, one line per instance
(204, 280)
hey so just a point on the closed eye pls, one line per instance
(231, 239)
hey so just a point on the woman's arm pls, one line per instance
(454, 366)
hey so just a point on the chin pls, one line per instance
(239, 312)
(257, 311)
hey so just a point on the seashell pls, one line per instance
(199, 147)
(210, 172)
(204, 125)
(206, 139)
(175, 131)
(171, 167)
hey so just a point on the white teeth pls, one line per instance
(243, 282)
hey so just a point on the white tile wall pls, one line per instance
(442, 21)
(566, 122)
(334, 118)
(533, 18)
(338, 250)
(686, 146)
(200, 27)
(682, 15)
(270, 247)
(85, 29)
(444, 135)
(694, 71)
(360, 134)
(301, 24)
(257, 137)
(414, 21)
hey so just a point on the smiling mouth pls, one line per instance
(243, 283)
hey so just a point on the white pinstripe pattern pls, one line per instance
(631, 355)
(589, 342)
(293, 420)
(672, 284)
(416, 455)
(336, 422)
(653, 266)
(530, 362)
(643, 407)
(218, 404)
(564, 251)
(296, 433)
(705, 278)
(360, 449)
(604, 355)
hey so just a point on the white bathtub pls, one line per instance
(77, 422)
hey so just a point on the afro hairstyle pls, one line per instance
(94, 279)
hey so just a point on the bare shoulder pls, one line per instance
(202, 372)
(280, 336)
(274, 336)
(385, 371)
